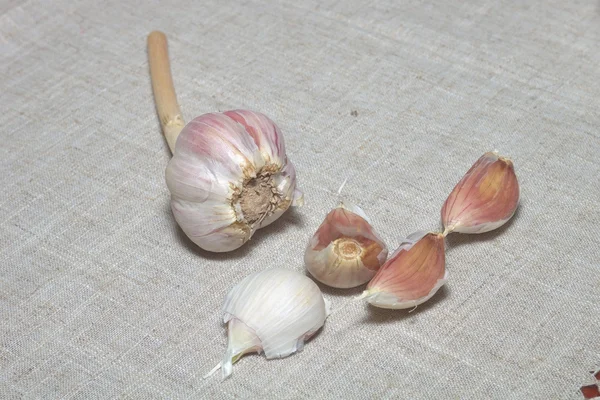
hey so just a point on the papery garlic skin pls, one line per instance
(412, 275)
(484, 199)
(345, 251)
(228, 177)
(273, 311)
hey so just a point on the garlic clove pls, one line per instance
(285, 184)
(297, 198)
(412, 275)
(484, 199)
(214, 229)
(228, 177)
(274, 311)
(345, 251)
(265, 133)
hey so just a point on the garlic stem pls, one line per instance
(165, 98)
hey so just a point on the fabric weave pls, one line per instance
(103, 296)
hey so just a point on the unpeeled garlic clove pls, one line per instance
(412, 275)
(274, 311)
(484, 199)
(345, 251)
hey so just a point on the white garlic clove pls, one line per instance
(228, 177)
(273, 311)
(345, 251)
(412, 275)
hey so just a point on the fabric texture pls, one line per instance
(102, 295)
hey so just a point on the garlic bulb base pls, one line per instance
(258, 199)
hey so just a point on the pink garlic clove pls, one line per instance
(413, 274)
(484, 199)
(345, 251)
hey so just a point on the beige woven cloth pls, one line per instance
(102, 296)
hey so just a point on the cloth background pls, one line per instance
(102, 296)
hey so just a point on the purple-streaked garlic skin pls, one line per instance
(412, 275)
(345, 251)
(484, 199)
(228, 177)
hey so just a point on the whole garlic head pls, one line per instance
(228, 177)
(345, 251)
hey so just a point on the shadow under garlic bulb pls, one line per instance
(229, 174)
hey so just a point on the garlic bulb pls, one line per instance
(484, 199)
(345, 251)
(229, 174)
(228, 177)
(273, 311)
(412, 275)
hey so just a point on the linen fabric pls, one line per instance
(102, 295)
